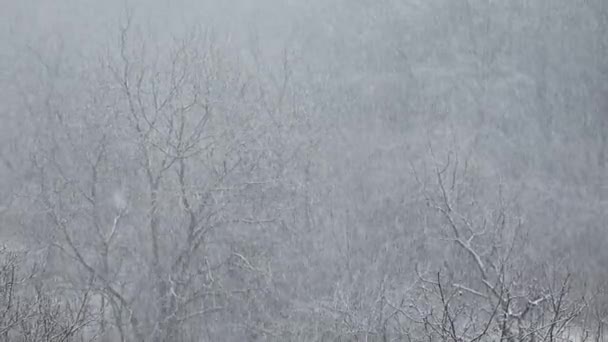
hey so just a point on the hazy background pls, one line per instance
(303, 170)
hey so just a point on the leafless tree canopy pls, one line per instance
(322, 170)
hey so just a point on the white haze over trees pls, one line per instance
(321, 170)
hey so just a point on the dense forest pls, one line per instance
(321, 170)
